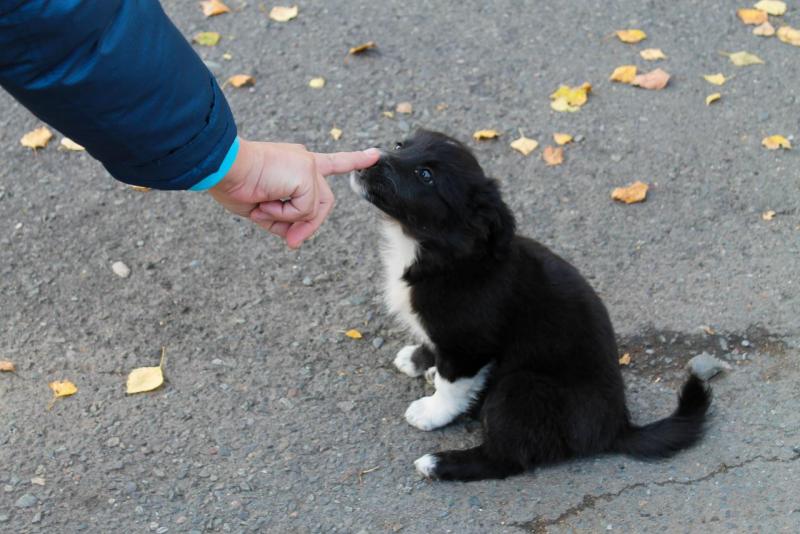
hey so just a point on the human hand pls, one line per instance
(282, 187)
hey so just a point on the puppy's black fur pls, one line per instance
(484, 294)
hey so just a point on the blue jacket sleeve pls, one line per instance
(118, 77)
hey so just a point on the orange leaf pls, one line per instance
(752, 16)
(636, 192)
(562, 138)
(404, 107)
(482, 135)
(241, 80)
(553, 155)
(655, 79)
(7, 367)
(624, 74)
(353, 334)
(63, 388)
(214, 7)
(774, 142)
(625, 359)
(631, 36)
(360, 49)
(37, 138)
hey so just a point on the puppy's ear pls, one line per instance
(492, 222)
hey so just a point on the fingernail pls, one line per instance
(372, 152)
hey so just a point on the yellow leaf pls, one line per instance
(241, 80)
(625, 359)
(716, 79)
(353, 334)
(789, 35)
(655, 80)
(214, 7)
(631, 36)
(404, 107)
(742, 59)
(388, 114)
(317, 83)
(624, 74)
(562, 138)
(570, 99)
(360, 49)
(336, 133)
(713, 97)
(553, 155)
(139, 188)
(283, 14)
(764, 30)
(144, 379)
(524, 145)
(752, 16)
(7, 367)
(227, 56)
(636, 192)
(37, 138)
(63, 388)
(68, 144)
(774, 142)
(772, 7)
(652, 54)
(768, 215)
(206, 38)
(481, 135)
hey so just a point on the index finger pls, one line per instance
(343, 162)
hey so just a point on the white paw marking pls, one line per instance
(450, 400)
(425, 465)
(430, 375)
(403, 361)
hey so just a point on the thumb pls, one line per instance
(344, 162)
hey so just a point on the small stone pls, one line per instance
(745, 343)
(112, 442)
(307, 281)
(474, 502)
(216, 361)
(39, 481)
(377, 342)
(578, 138)
(162, 530)
(181, 520)
(346, 406)
(120, 269)
(36, 518)
(3, 518)
(705, 366)
(130, 487)
(616, 158)
(723, 344)
(26, 501)
(140, 243)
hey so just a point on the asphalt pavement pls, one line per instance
(271, 419)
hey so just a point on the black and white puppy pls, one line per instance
(511, 328)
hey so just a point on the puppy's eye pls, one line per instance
(398, 146)
(425, 175)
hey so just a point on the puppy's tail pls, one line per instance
(680, 430)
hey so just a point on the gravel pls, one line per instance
(706, 366)
(26, 501)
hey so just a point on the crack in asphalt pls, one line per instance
(539, 525)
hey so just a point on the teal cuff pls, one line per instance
(213, 179)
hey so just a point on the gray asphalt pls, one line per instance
(272, 420)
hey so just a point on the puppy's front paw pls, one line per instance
(404, 363)
(428, 413)
(426, 465)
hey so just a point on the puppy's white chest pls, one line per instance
(399, 252)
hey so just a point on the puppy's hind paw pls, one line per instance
(426, 465)
(405, 364)
(428, 413)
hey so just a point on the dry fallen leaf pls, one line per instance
(716, 79)
(789, 35)
(624, 74)
(37, 138)
(652, 54)
(636, 192)
(404, 107)
(570, 99)
(713, 97)
(7, 367)
(625, 359)
(139, 188)
(336, 133)
(562, 138)
(752, 16)
(63, 388)
(774, 142)
(68, 144)
(764, 30)
(742, 59)
(144, 379)
(206, 38)
(524, 145)
(482, 135)
(768, 215)
(708, 330)
(317, 83)
(283, 14)
(553, 155)
(353, 334)
(655, 80)
(241, 80)
(631, 36)
(388, 114)
(772, 7)
(214, 7)
(360, 49)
